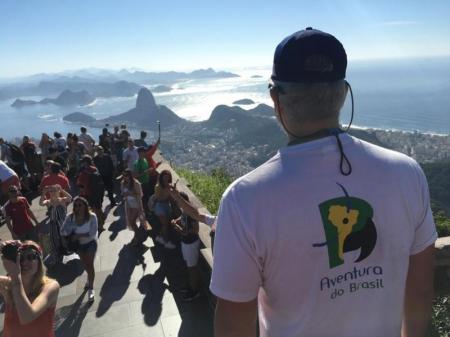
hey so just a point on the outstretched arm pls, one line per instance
(418, 294)
(235, 319)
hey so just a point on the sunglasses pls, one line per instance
(29, 256)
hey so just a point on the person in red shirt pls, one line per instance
(19, 216)
(56, 177)
(93, 194)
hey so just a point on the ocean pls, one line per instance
(409, 95)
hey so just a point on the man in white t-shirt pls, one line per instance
(130, 155)
(87, 140)
(332, 236)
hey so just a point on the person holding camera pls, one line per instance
(30, 297)
(19, 216)
(80, 232)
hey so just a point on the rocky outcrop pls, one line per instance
(146, 113)
(79, 117)
(20, 103)
(245, 101)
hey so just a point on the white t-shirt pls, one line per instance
(130, 156)
(5, 171)
(90, 227)
(292, 231)
(87, 140)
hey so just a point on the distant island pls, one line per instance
(245, 101)
(66, 98)
(161, 88)
(256, 76)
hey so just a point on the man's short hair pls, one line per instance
(311, 101)
(55, 168)
(83, 129)
(141, 149)
(143, 134)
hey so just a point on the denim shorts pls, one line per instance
(90, 247)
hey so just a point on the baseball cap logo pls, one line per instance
(348, 226)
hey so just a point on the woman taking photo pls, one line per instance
(80, 232)
(56, 199)
(30, 297)
(132, 194)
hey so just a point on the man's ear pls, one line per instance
(276, 102)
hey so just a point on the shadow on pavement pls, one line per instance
(117, 283)
(70, 318)
(66, 273)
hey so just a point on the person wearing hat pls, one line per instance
(19, 216)
(333, 236)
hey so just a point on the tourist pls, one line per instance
(162, 207)
(130, 155)
(142, 173)
(92, 188)
(87, 140)
(56, 156)
(55, 177)
(45, 144)
(57, 206)
(80, 232)
(333, 236)
(141, 141)
(76, 150)
(104, 140)
(60, 143)
(188, 229)
(30, 297)
(153, 173)
(105, 166)
(19, 216)
(132, 195)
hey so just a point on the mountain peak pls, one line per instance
(145, 99)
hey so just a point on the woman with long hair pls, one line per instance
(29, 295)
(80, 231)
(162, 207)
(56, 199)
(131, 191)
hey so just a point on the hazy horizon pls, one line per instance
(50, 36)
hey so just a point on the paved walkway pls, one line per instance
(134, 288)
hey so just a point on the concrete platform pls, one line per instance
(135, 290)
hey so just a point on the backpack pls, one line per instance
(96, 185)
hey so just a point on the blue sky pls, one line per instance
(54, 35)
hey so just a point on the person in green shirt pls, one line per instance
(141, 173)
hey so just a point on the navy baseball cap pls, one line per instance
(309, 56)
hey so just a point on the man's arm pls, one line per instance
(235, 319)
(418, 294)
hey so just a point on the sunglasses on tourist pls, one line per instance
(29, 256)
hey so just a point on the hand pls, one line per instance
(12, 268)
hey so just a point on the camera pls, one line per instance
(10, 251)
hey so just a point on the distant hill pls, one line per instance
(79, 117)
(146, 113)
(101, 83)
(67, 97)
(244, 101)
(161, 88)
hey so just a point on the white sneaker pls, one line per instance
(91, 295)
(169, 245)
(160, 239)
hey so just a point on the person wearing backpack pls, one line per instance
(92, 188)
